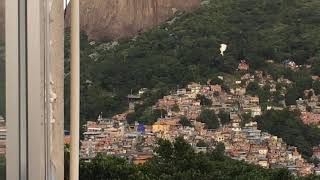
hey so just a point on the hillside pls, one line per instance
(114, 19)
(179, 161)
(2, 20)
(288, 126)
(2, 79)
(188, 49)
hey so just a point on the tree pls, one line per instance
(177, 160)
(108, 167)
(288, 125)
(309, 95)
(220, 148)
(246, 118)
(316, 87)
(216, 80)
(201, 143)
(218, 152)
(209, 118)
(264, 94)
(164, 149)
(2, 167)
(225, 88)
(204, 101)
(175, 108)
(131, 118)
(187, 50)
(2, 80)
(150, 116)
(253, 88)
(291, 96)
(278, 97)
(281, 174)
(224, 117)
(184, 121)
(316, 69)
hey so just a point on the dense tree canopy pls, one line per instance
(204, 101)
(2, 79)
(179, 161)
(2, 167)
(253, 88)
(188, 49)
(316, 87)
(288, 126)
(210, 118)
(224, 117)
(184, 121)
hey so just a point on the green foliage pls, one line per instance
(301, 81)
(264, 94)
(316, 68)
(277, 97)
(2, 79)
(107, 167)
(224, 117)
(143, 112)
(132, 118)
(201, 143)
(209, 117)
(291, 96)
(246, 118)
(204, 101)
(185, 121)
(316, 87)
(253, 88)
(288, 126)
(188, 50)
(216, 80)
(220, 148)
(145, 115)
(175, 108)
(2, 167)
(178, 160)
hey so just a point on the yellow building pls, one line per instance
(164, 125)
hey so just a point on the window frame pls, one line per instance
(15, 164)
(27, 56)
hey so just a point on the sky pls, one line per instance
(64, 1)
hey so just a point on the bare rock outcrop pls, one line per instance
(113, 19)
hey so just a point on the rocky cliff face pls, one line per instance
(2, 14)
(113, 19)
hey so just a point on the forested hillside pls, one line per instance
(287, 125)
(2, 79)
(187, 49)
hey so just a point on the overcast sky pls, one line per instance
(65, 3)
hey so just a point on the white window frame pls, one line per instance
(13, 158)
(29, 129)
